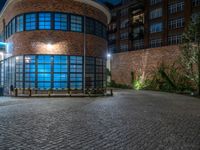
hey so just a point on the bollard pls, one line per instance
(16, 92)
(70, 93)
(89, 93)
(95, 91)
(111, 92)
(30, 92)
(49, 93)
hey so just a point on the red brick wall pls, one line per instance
(141, 62)
(69, 43)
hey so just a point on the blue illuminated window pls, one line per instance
(60, 21)
(60, 85)
(44, 77)
(61, 59)
(20, 23)
(44, 59)
(76, 23)
(76, 68)
(60, 68)
(30, 77)
(44, 67)
(76, 77)
(76, 60)
(60, 77)
(57, 72)
(44, 85)
(30, 21)
(60, 72)
(76, 85)
(30, 59)
(45, 21)
(156, 27)
(30, 68)
(56, 21)
(29, 84)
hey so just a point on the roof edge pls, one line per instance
(101, 7)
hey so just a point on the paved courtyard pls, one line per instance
(131, 120)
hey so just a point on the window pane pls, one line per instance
(60, 21)
(20, 23)
(76, 23)
(44, 67)
(44, 59)
(156, 27)
(90, 26)
(30, 21)
(45, 21)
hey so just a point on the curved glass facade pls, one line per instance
(54, 21)
(56, 72)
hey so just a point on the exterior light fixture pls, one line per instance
(108, 55)
(49, 46)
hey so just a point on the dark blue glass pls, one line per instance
(60, 22)
(76, 23)
(30, 22)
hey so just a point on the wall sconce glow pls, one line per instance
(108, 55)
(49, 46)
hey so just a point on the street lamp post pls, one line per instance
(84, 61)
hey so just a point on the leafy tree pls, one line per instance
(190, 50)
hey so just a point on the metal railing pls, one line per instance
(62, 93)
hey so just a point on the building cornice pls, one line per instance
(102, 8)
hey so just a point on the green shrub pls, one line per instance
(116, 85)
(137, 82)
(169, 78)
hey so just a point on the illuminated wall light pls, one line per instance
(108, 55)
(49, 46)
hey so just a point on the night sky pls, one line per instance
(111, 1)
(2, 3)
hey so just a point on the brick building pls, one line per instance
(55, 44)
(142, 34)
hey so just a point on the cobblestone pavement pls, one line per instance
(131, 120)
